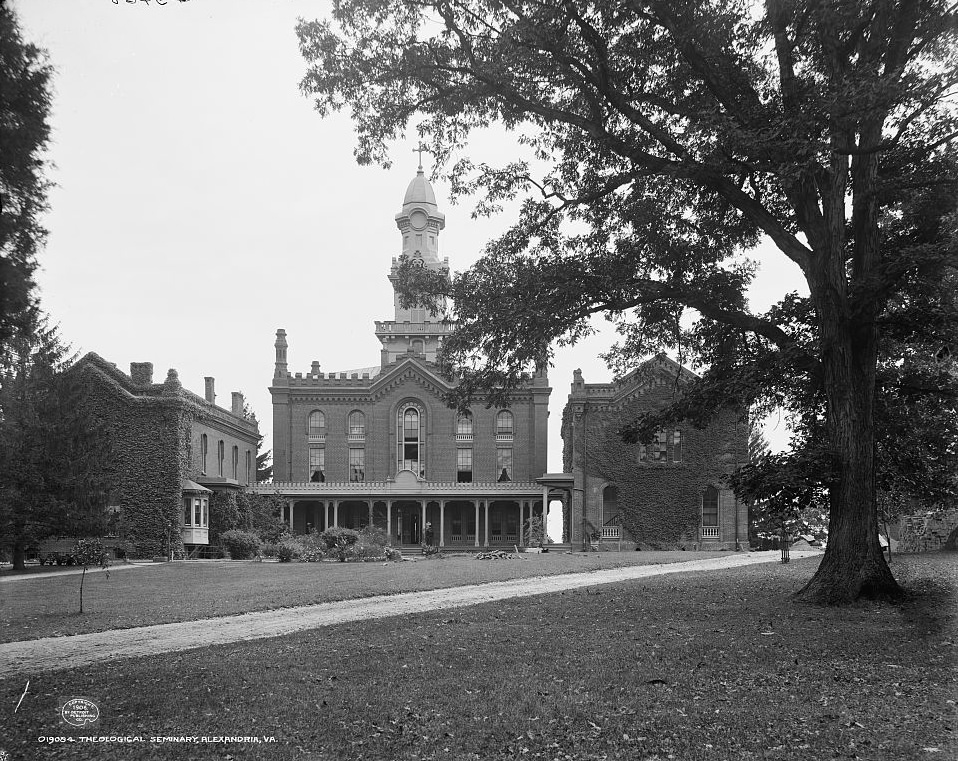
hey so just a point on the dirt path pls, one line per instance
(54, 653)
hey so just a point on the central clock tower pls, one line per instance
(415, 331)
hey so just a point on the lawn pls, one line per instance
(184, 591)
(692, 666)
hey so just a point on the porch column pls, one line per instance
(522, 512)
(371, 513)
(422, 527)
(335, 512)
(442, 523)
(476, 502)
(292, 504)
(545, 518)
(389, 522)
(486, 502)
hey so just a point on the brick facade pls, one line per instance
(409, 474)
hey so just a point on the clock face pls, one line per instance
(418, 219)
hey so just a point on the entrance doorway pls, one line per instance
(410, 525)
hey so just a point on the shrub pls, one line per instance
(338, 540)
(263, 515)
(225, 514)
(373, 536)
(371, 544)
(269, 549)
(393, 554)
(241, 545)
(312, 555)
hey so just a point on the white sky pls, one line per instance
(201, 203)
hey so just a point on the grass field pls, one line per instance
(694, 666)
(48, 606)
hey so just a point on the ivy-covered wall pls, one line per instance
(658, 503)
(149, 427)
(153, 429)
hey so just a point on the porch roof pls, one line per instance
(403, 488)
(557, 480)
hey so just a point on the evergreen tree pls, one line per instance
(54, 455)
(24, 132)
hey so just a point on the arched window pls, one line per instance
(357, 423)
(317, 423)
(235, 461)
(204, 450)
(220, 456)
(419, 346)
(410, 441)
(504, 422)
(710, 507)
(464, 424)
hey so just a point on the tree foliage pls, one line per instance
(264, 466)
(24, 132)
(675, 136)
(54, 456)
(90, 552)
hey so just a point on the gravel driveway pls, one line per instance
(54, 653)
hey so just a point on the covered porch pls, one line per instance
(410, 511)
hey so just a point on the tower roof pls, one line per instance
(419, 191)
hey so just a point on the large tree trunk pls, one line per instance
(19, 557)
(854, 565)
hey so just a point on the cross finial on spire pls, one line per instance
(419, 149)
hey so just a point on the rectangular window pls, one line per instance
(504, 464)
(197, 512)
(659, 447)
(357, 464)
(643, 453)
(464, 466)
(206, 512)
(676, 446)
(187, 511)
(317, 464)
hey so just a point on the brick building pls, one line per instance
(171, 450)
(670, 493)
(379, 445)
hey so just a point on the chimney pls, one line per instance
(141, 373)
(238, 402)
(210, 393)
(314, 368)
